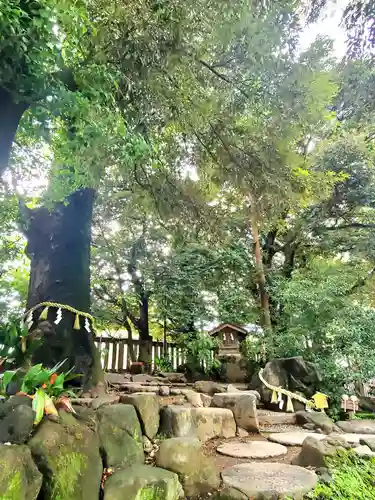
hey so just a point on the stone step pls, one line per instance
(203, 423)
(267, 480)
(267, 417)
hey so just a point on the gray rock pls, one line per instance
(120, 435)
(241, 433)
(243, 407)
(357, 426)
(184, 456)
(143, 482)
(107, 399)
(364, 451)
(319, 419)
(293, 438)
(203, 423)
(294, 374)
(252, 449)
(269, 480)
(309, 427)
(314, 451)
(206, 400)
(17, 425)
(370, 442)
(192, 397)
(164, 390)
(67, 454)
(208, 387)
(19, 476)
(174, 378)
(175, 392)
(147, 407)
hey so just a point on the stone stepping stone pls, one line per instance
(297, 438)
(354, 438)
(357, 426)
(252, 449)
(265, 480)
(293, 438)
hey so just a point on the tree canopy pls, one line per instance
(231, 172)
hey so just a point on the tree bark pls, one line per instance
(261, 278)
(59, 249)
(145, 339)
(131, 353)
(10, 117)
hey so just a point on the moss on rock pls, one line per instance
(19, 476)
(120, 435)
(143, 482)
(68, 455)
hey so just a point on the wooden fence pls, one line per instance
(114, 353)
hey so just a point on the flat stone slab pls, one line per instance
(364, 451)
(269, 480)
(253, 449)
(357, 426)
(203, 423)
(354, 438)
(297, 438)
(293, 438)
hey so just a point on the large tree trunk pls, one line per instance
(59, 249)
(261, 279)
(10, 115)
(145, 339)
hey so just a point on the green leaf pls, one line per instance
(38, 405)
(7, 377)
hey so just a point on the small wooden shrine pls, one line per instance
(230, 337)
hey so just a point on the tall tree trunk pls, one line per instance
(145, 339)
(165, 344)
(59, 249)
(131, 353)
(10, 115)
(261, 279)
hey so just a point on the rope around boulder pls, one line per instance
(290, 395)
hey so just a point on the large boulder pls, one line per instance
(19, 476)
(67, 454)
(120, 435)
(203, 423)
(184, 456)
(360, 426)
(17, 425)
(319, 420)
(147, 407)
(243, 406)
(142, 482)
(294, 374)
(367, 403)
(314, 451)
(208, 387)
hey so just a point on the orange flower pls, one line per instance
(53, 378)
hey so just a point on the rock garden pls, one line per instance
(161, 438)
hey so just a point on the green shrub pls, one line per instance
(164, 364)
(199, 351)
(353, 479)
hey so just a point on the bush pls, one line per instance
(353, 478)
(199, 350)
